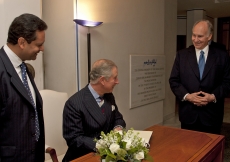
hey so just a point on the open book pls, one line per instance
(144, 134)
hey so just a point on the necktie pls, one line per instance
(101, 101)
(25, 83)
(101, 104)
(201, 63)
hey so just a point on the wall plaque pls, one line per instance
(147, 79)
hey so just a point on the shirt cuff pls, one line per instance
(184, 98)
(117, 127)
(214, 99)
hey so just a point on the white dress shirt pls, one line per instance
(16, 61)
(205, 50)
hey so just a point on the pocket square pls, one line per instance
(113, 107)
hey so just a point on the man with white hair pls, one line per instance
(92, 110)
(200, 79)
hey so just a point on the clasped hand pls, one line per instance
(200, 98)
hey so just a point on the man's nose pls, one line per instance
(117, 81)
(41, 48)
(195, 39)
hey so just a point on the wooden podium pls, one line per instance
(174, 144)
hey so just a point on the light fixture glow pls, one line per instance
(87, 23)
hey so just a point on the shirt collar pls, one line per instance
(205, 50)
(15, 60)
(94, 93)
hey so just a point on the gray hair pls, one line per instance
(102, 67)
(209, 24)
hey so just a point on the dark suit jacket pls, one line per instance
(17, 128)
(218, 45)
(83, 121)
(216, 80)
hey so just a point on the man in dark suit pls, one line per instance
(200, 79)
(92, 110)
(21, 116)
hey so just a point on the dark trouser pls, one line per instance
(198, 126)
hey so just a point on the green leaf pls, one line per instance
(149, 158)
(123, 145)
(121, 154)
(111, 155)
(108, 159)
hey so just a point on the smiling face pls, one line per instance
(30, 51)
(201, 35)
(110, 83)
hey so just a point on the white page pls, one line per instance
(144, 134)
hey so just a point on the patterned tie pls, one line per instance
(24, 80)
(101, 103)
(201, 63)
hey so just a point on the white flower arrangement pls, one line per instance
(122, 146)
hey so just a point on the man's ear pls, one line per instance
(102, 80)
(21, 42)
(210, 37)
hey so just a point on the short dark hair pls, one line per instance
(25, 26)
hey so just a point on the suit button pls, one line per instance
(32, 151)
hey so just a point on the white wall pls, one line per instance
(9, 9)
(170, 32)
(60, 46)
(130, 27)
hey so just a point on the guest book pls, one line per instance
(144, 134)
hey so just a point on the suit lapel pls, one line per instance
(193, 61)
(14, 78)
(93, 108)
(37, 94)
(210, 61)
